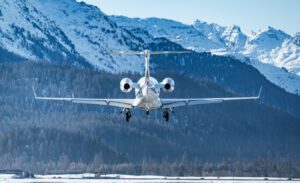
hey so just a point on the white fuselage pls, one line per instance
(147, 94)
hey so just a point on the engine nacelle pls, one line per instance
(126, 85)
(168, 84)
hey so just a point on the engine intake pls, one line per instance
(168, 84)
(126, 85)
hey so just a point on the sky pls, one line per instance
(250, 15)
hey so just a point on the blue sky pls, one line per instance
(248, 14)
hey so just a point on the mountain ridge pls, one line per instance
(268, 49)
(83, 35)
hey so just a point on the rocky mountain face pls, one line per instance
(26, 32)
(66, 30)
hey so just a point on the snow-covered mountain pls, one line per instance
(65, 30)
(26, 32)
(177, 32)
(296, 39)
(273, 52)
(229, 38)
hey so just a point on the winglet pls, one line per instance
(34, 93)
(260, 90)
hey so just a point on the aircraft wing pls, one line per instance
(123, 103)
(170, 103)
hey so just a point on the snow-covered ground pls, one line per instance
(90, 177)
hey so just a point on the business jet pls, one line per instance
(147, 90)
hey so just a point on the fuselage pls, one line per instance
(147, 94)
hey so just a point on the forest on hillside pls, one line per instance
(229, 139)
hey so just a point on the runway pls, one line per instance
(115, 178)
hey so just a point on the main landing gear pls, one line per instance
(127, 115)
(166, 115)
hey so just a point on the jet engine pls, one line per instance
(126, 85)
(168, 84)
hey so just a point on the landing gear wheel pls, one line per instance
(127, 115)
(166, 115)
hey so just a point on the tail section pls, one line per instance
(147, 54)
(147, 64)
